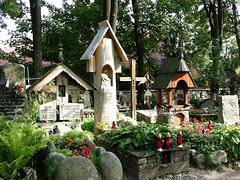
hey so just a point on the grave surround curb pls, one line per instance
(144, 166)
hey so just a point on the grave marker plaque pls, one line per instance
(70, 111)
(47, 111)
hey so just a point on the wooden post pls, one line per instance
(133, 89)
(169, 96)
(159, 96)
(186, 96)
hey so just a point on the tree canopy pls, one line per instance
(168, 28)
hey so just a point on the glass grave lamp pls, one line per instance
(168, 141)
(159, 142)
(179, 139)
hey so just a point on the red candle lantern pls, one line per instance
(159, 142)
(114, 125)
(164, 159)
(167, 141)
(179, 139)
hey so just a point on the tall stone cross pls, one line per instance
(133, 79)
(104, 56)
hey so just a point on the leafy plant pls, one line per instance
(141, 137)
(32, 114)
(18, 143)
(88, 124)
(72, 138)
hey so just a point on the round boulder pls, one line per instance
(218, 157)
(56, 159)
(99, 151)
(199, 161)
(77, 168)
(110, 166)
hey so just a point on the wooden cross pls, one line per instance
(133, 80)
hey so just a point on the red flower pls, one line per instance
(69, 139)
(236, 123)
(90, 146)
(70, 143)
(20, 86)
(83, 142)
(80, 144)
(202, 120)
(19, 89)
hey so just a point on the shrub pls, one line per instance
(71, 139)
(88, 124)
(140, 137)
(18, 143)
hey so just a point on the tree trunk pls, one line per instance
(35, 8)
(106, 9)
(139, 45)
(234, 78)
(215, 16)
(113, 16)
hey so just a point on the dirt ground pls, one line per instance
(198, 174)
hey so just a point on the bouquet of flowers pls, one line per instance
(18, 89)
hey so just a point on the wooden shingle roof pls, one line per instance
(105, 30)
(167, 71)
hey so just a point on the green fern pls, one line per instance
(18, 143)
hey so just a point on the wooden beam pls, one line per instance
(133, 89)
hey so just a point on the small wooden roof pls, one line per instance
(105, 29)
(53, 73)
(167, 71)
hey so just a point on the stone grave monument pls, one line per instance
(228, 109)
(104, 56)
(11, 104)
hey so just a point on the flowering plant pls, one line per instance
(102, 125)
(18, 88)
(166, 116)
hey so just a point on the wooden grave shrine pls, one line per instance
(172, 84)
(62, 81)
(104, 56)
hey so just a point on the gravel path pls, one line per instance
(198, 174)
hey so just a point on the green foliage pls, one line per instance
(88, 124)
(65, 152)
(123, 123)
(229, 138)
(32, 114)
(18, 143)
(71, 139)
(50, 170)
(141, 137)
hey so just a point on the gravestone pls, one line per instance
(207, 104)
(228, 109)
(12, 106)
(104, 56)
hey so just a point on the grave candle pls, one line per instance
(179, 139)
(114, 125)
(168, 141)
(159, 142)
(164, 160)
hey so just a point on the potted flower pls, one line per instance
(101, 127)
